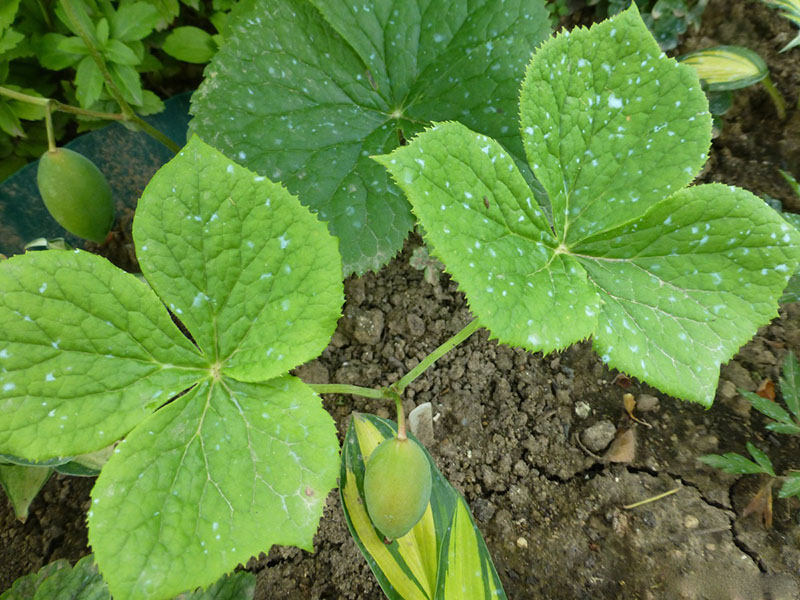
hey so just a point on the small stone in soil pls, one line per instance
(597, 437)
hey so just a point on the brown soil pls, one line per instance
(508, 425)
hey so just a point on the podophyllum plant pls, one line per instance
(224, 453)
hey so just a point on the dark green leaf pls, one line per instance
(761, 458)
(790, 384)
(767, 407)
(9, 121)
(332, 83)
(788, 428)
(50, 53)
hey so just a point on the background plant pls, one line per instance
(94, 58)
(781, 420)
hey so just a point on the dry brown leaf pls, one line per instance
(623, 448)
(623, 381)
(766, 389)
(761, 505)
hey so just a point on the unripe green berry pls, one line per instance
(76, 193)
(397, 486)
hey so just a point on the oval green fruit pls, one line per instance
(397, 486)
(76, 193)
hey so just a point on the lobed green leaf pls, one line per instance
(332, 83)
(76, 330)
(614, 132)
(218, 475)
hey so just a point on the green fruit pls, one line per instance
(76, 193)
(397, 486)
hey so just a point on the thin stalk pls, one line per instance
(454, 341)
(355, 390)
(75, 110)
(48, 122)
(775, 96)
(401, 418)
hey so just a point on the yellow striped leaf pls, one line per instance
(726, 67)
(441, 556)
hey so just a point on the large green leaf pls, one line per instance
(250, 272)
(222, 473)
(443, 557)
(304, 92)
(86, 352)
(669, 281)
(241, 456)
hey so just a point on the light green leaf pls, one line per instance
(75, 328)
(22, 484)
(118, 52)
(790, 384)
(305, 92)
(614, 131)
(790, 487)
(733, 463)
(72, 45)
(8, 10)
(190, 44)
(218, 475)
(128, 82)
(610, 126)
(88, 82)
(102, 31)
(9, 39)
(253, 274)
(761, 458)
(134, 21)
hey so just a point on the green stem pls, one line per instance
(128, 112)
(401, 418)
(48, 122)
(775, 96)
(454, 341)
(343, 388)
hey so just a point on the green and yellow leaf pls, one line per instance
(441, 557)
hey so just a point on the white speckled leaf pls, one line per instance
(669, 281)
(304, 92)
(251, 273)
(74, 330)
(687, 284)
(610, 126)
(222, 473)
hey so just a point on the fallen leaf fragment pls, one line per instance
(623, 448)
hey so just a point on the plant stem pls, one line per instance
(454, 341)
(401, 418)
(48, 122)
(775, 96)
(343, 388)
